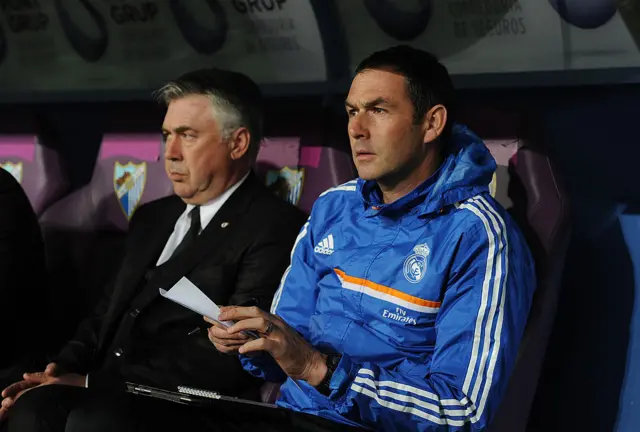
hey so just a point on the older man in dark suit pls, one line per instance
(223, 230)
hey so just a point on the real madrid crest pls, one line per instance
(15, 169)
(415, 266)
(128, 182)
(286, 183)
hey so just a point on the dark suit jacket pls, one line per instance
(138, 336)
(22, 273)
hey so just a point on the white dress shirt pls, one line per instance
(207, 212)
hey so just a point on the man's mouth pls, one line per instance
(176, 175)
(364, 155)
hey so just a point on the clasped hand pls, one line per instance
(295, 356)
(53, 374)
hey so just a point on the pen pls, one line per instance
(195, 330)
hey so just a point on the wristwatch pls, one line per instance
(332, 361)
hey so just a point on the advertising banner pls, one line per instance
(61, 45)
(497, 36)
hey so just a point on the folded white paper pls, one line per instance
(185, 293)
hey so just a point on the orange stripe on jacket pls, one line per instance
(387, 290)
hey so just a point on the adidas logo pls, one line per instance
(325, 247)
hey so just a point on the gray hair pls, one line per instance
(236, 100)
(228, 117)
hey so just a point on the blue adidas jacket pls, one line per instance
(426, 298)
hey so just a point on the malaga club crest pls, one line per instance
(415, 266)
(15, 169)
(128, 182)
(286, 183)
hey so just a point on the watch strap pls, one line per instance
(331, 361)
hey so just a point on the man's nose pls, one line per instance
(172, 149)
(358, 128)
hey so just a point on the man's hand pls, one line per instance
(11, 393)
(14, 391)
(225, 342)
(297, 358)
(31, 380)
(68, 379)
(53, 374)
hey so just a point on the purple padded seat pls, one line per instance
(84, 232)
(37, 168)
(538, 202)
(300, 173)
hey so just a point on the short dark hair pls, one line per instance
(236, 97)
(428, 81)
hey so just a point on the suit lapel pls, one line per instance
(146, 250)
(158, 233)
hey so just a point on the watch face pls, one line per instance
(333, 360)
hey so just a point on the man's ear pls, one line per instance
(434, 123)
(239, 143)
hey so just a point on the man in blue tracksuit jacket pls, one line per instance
(409, 288)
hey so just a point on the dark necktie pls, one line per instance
(193, 232)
